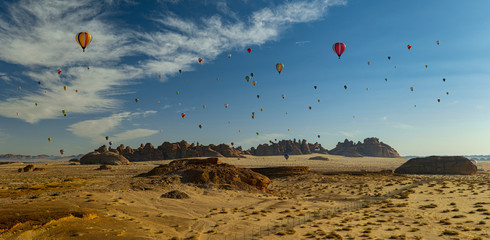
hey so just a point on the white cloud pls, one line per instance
(40, 35)
(132, 134)
(253, 142)
(349, 134)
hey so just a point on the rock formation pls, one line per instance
(30, 168)
(175, 195)
(438, 165)
(104, 158)
(371, 147)
(318, 158)
(282, 171)
(210, 171)
(287, 146)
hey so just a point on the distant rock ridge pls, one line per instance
(371, 147)
(18, 156)
(287, 146)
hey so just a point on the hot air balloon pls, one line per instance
(339, 48)
(318, 136)
(309, 107)
(253, 113)
(177, 92)
(35, 104)
(426, 66)
(76, 90)
(345, 87)
(199, 60)
(283, 96)
(447, 93)
(261, 109)
(249, 50)
(314, 87)
(64, 112)
(279, 67)
(318, 100)
(369, 63)
(251, 74)
(257, 133)
(253, 117)
(288, 129)
(438, 42)
(203, 106)
(254, 82)
(444, 80)
(226, 105)
(367, 89)
(247, 78)
(386, 79)
(389, 58)
(64, 87)
(229, 55)
(18, 88)
(88, 68)
(62, 151)
(217, 79)
(182, 115)
(136, 100)
(59, 71)
(200, 126)
(232, 143)
(158, 102)
(180, 70)
(106, 137)
(438, 100)
(286, 156)
(414, 105)
(258, 96)
(83, 39)
(39, 82)
(409, 46)
(353, 116)
(411, 89)
(159, 75)
(110, 143)
(49, 139)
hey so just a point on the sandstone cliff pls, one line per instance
(371, 147)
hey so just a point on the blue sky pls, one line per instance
(136, 41)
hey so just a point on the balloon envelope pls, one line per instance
(83, 39)
(339, 48)
(279, 67)
(286, 156)
(249, 50)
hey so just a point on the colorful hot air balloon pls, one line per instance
(438, 42)
(288, 129)
(409, 46)
(286, 156)
(177, 92)
(411, 89)
(386, 79)
(64, 112)
(279, 67)
(182, 115)
(253, 117)
(229, 55)
(426, 66)
(200, 126)
(253, 113)
(62, 151)
(369, 63)
(136, 100)
(247, 78)
(226, 105)
(65, 87)
(339, 48)
(345, 87)
(199, 60)
(59, 71)
(106, 137)
(367, 89)
(283, 96)
(83, 39)
(447, 93)
(254, 82)
(249, 50)
(309, 107)
(49, 139)
(318, 100)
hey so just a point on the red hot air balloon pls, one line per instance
(249, 50)
(182, 115)
(438, 100)
(59, 71)
(232, 143)
(339, 48)
(200, 61)
(310, 107)
(409, 46)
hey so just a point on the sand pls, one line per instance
(79, 202)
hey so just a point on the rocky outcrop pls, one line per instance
(318, 158)
(210, 171)
(371, 147)
(144, 153)
(438, 165)
(272, 172)
(175, 195)
(104, 158)
(287, 146)
(31, 168)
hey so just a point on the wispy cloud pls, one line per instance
(39, 35)
(133, 134)
(253, 142)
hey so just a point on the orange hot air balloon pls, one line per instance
(200, 60)
(409, 46)
(182, 115)
(426, 66)
(83, 39)
(447, 93)
(261, 109)
(254, 82)
(318, 100)
(203, 106)
(367, 89)
(64, 88)
(249, 50)
(369, 63)
(49, 139)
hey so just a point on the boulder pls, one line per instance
(438, 165)
(282, 171)
(318, 158)
(175, 195)
(107, 158)
(74, 160)
(28, 168)
(105, 167)
(211, 171)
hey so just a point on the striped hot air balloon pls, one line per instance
(279, 67)
(83, 39)
(339, 48)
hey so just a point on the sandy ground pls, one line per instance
(79, 202)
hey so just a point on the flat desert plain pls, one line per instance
(341, 198)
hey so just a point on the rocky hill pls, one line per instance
(287, 146)
(371, 147)
(438, 165)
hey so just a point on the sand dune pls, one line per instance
(79, 202)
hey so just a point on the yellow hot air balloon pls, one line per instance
(83, 39)
(76, 90)
(288, 129)
(279, 67)
(64, 112)
(49, 139)
(254, 82)
(64, 88)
